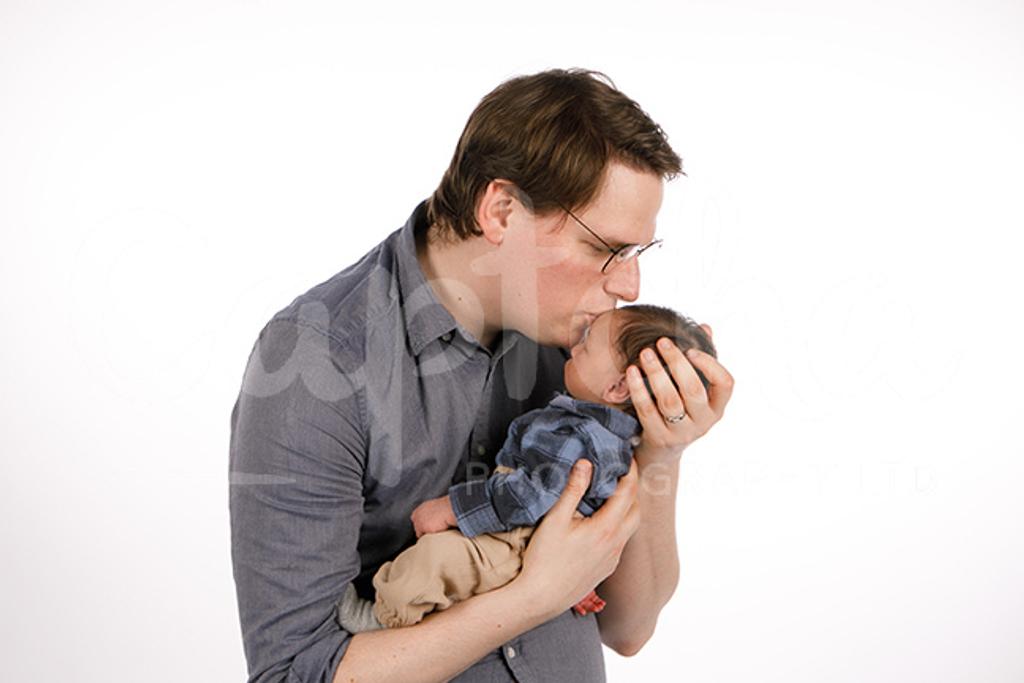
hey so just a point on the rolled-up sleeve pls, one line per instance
(297, 456)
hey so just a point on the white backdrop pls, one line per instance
(171, 174)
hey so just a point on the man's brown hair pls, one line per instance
(640, 326)
(553, 134)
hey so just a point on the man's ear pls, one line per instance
(494, 209)
(618, 392)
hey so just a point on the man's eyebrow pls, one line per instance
(617, 244)
(614, 244)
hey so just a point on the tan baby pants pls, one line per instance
(444, 568)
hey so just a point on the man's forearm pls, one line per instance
(424, 653)
(648, 569)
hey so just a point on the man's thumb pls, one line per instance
(576, 487)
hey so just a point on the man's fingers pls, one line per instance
(621, 502)
(575, 488)
(642, 401)
(720, 381)
(668, 399)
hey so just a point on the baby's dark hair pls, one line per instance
(640, 326)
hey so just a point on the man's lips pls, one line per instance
(588, 320)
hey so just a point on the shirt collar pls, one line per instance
(620, 423)
(426, 318)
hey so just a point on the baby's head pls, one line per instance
(597, 370)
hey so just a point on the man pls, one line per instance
(379, 388)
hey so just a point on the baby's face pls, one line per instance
(594, 368)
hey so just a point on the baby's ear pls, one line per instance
(618, 392)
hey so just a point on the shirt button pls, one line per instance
(510, 651)
(447, 336)
(480, 450)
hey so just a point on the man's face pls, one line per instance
(568, 289)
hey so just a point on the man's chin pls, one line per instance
(566, 340)
(575, 336)
(544, 340)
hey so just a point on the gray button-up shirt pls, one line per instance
(361, 399)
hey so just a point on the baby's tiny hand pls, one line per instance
(433, 515)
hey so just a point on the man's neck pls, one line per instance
(446, 268)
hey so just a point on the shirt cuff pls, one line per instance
(474, 512)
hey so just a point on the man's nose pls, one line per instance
(624, 280)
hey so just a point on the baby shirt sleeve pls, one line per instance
(612, 457)
(522, 497)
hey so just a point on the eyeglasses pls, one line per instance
(623, 253)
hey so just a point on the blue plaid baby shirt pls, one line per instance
(542, 445)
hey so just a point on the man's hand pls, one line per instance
(568, 555)
(433, 515)
(702, 408)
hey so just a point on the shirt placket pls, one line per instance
(477, 467)
(512, 653)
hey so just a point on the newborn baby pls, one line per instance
(495, 517)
